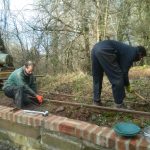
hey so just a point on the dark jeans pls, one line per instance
(19, 95)
(106, 61)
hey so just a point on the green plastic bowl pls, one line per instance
(126, 129)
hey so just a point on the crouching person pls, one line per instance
(21, 85)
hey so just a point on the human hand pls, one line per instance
(39, 98)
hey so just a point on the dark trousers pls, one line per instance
(19, 95)
(106, 61)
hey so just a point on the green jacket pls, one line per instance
(19, 78)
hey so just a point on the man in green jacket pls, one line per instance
(21, 84)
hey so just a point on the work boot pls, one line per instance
(97, 103)
(122, 106)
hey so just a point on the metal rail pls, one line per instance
(101, 108)
(144, 100)
(5, 78)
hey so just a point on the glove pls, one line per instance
(129, 89)
(39, 98)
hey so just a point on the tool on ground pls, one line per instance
(141, 97)
(45, 113)
(130, 90)
(137, 94)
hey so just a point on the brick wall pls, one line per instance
(74, 133)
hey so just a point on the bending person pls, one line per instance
(115, 59)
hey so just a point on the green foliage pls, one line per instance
(79, 85)
(74, 83)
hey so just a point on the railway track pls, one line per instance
(101, 108)
(94, 108)
(85, 97)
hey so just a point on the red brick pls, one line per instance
(98, 135)
(51, 123)
(143, 145)
(4, 113)
(80, 128)
(27, 119)
(88, 131)
(68, 127)
(47, 121)
(16, 115)
(24, 119)
(93, 134)
(107, 139)
(122, 143)
(49, 118)
(133, 142)
(19, 118)
(1, 109)
(30, 120)
(9, 115)
(37, 120)
(103, 137)
(56, 123)
(76, 123)
(111, 140)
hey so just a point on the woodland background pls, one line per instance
(59, 35)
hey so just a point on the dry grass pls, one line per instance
(73, 83)
(80, 84)
(140, 71)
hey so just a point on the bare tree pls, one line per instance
(61, 33)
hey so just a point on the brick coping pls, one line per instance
(103, 136)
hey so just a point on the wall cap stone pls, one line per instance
(102, 136)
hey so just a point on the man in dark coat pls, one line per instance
(115, 59)
(21, 85)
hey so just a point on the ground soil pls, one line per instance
(134, 102)
(81, 113)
